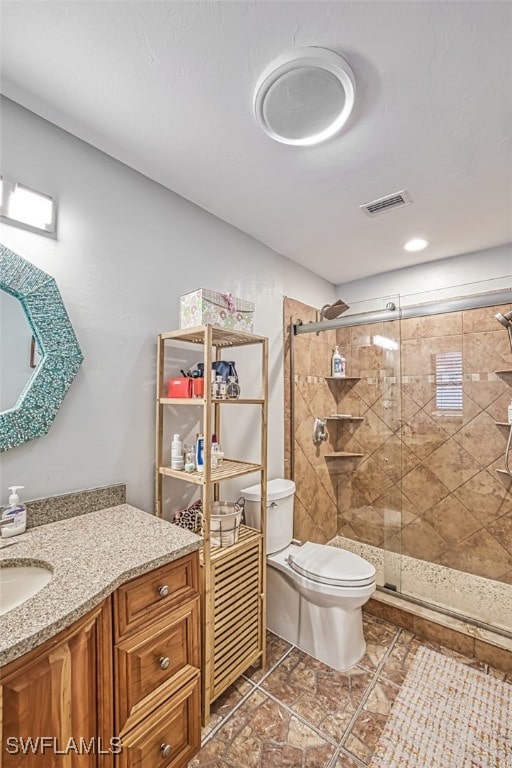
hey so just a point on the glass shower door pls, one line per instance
(369, 491)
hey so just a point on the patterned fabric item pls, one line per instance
(190, 517)
(447, 715)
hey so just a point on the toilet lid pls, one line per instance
(331, 565)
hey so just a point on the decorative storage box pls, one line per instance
(206, 307)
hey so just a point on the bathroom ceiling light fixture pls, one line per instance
(416, 244)
(304, 96)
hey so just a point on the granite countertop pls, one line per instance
(90, 556)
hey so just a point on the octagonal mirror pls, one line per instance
(35, 331)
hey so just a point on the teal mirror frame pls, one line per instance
(61, 356)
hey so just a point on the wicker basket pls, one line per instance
(225, 520)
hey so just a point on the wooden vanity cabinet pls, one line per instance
(157, 659)
(58, 694)
(129, 669)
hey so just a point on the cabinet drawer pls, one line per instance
(150, 661)
(145, 598)
(169, 737)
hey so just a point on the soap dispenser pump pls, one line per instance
(16, 513)
(338, 364)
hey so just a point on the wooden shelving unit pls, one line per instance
(233, 580)
(227, 471)
(343, 378)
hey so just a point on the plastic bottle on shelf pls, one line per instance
(176, 453)
(200, 453)
(338, 364)
(215, 452)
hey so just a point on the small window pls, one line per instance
(448, 383)
(26, 208)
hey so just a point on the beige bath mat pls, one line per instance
(447, 715)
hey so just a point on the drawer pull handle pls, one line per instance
(164, 662)
(163, 591)
(165, 750)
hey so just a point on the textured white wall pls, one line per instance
(468, 273)
(127, 249)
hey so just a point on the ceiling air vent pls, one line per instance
(396, 200)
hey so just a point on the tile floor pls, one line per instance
(299, 713)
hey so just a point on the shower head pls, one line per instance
(332, 311)
(505, 320)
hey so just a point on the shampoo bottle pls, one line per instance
(15, 511)
(176, 453)
(337, 364)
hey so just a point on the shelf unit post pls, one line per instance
(264, 450)
(160, 365)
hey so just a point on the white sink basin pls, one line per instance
(19, 582)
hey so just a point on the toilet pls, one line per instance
(315, 592)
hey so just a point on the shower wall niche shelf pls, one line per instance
(342, 455)
(343, 417)
(505, 424)
(232, 578)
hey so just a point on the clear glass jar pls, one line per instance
(190, 458)
(233, 388)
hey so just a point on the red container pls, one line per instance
(179, 386)
(198, 387)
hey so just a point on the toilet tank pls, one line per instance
(280, 497)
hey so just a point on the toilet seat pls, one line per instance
(331, 565)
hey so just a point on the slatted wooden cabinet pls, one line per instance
(232, 580)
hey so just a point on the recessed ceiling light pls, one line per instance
(305, 96)
(417, 244)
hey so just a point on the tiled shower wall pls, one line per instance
(426, 482)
